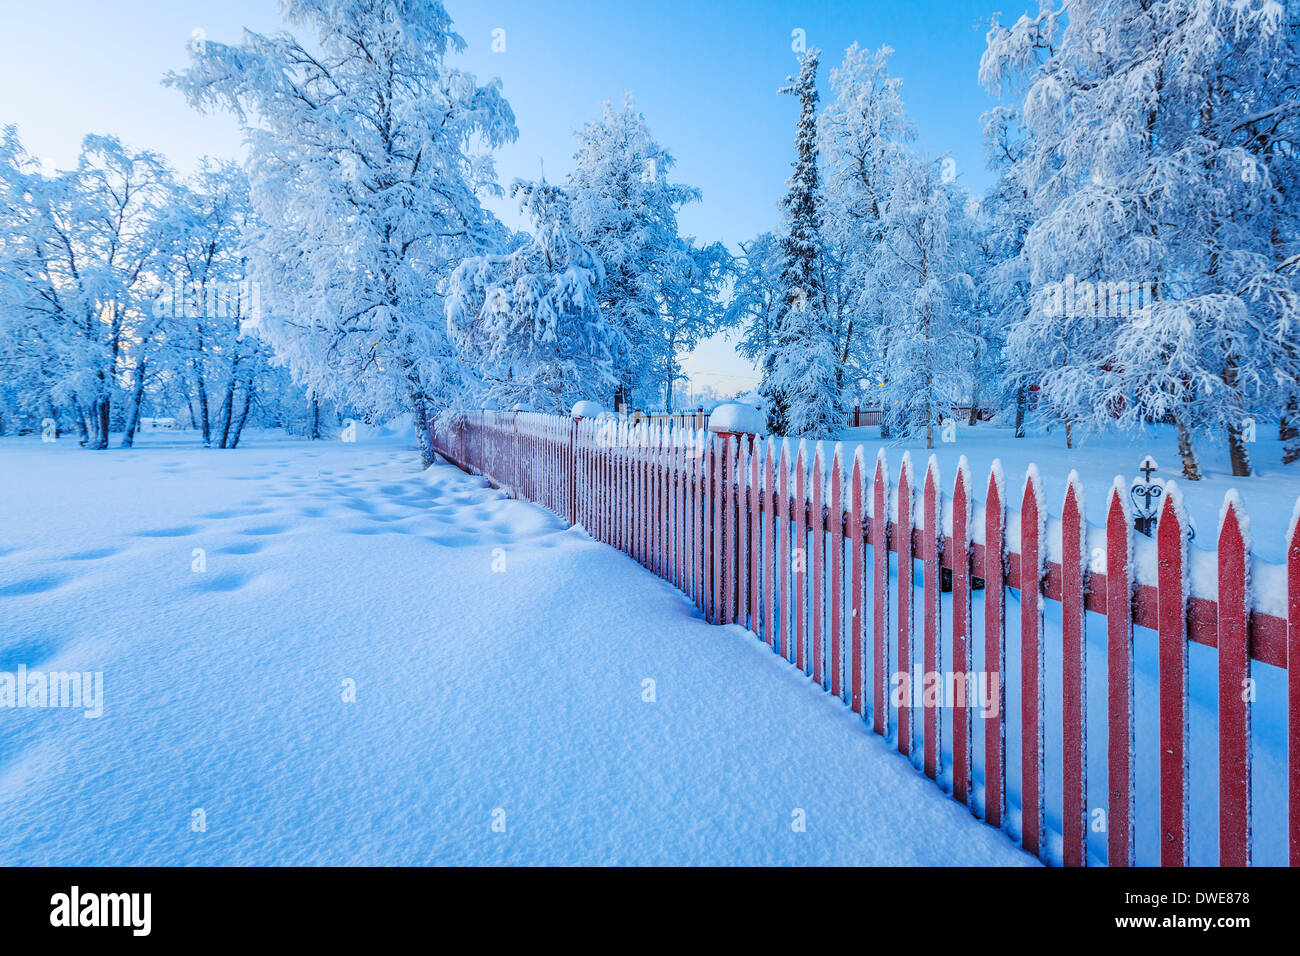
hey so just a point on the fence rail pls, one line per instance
(796, 546)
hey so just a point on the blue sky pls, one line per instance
(704, 73)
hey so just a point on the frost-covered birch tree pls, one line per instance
(367, 159)
(529, 321)
(862, 136)
(79, 251)
(659, 288)
(927, 347)
(1156, 212)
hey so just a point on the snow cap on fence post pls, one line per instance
(964, 476)
(586, 409)
(735, 419)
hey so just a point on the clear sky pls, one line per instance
(704, 72)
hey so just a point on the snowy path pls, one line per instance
(483, 696)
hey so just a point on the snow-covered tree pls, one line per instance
(209, 308)
(927, 348)
(862, 136)
(79, 250)
(530, 321)
(801, 372)
(366, 172)
(659, 288)
(1162, 285)
(756, 295)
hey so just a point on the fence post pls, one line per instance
(1234, 679)
(960, 559)
(1074, 675)
(1119, 677)
(1171, 548)
(995, 645)
(1032, 664)
(1293, 681)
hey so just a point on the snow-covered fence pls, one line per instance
(794, 544)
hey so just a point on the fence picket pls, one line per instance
(783, 550)
(816, 573)
(903, 537)
(880, 596)
(769, 547)
(755, 553)
(995, 647)
(1293, 681)
(1171, 544)
(1119, 677)
(1074, 671)
(837, 573)
(959, 554)
(1032, 663)
(1235, 692)
(800, 559)
(932, 655)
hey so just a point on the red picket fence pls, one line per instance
(760, 536)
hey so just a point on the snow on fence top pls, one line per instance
(738, 418)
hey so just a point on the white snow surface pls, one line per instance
(482, 696)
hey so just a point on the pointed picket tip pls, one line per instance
(1033, 483)
(1118, 498)
(1172, 503)
(998, 480)
(1233, 518)
(905, 468)
(860, 466)
(963, 472)
(837, 456)
(932, 470)
(1074, 502)
(961, 490)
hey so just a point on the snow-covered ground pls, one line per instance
(499, 663)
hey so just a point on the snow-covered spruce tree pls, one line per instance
(659, 287)
(1155, 212)
(927, 347)
(862, 135)
(530, 321)
(801, 372)
(365, 178)
(79, 249)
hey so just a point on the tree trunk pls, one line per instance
(1288, 430)
(1022, 403)
(223, 416)
(243, 415)
(1238, 454)
(103, 418)
(1069, 436)
(1191, 470)
(419, 413)
(204, 421)
(133, 417)
(313, 433)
